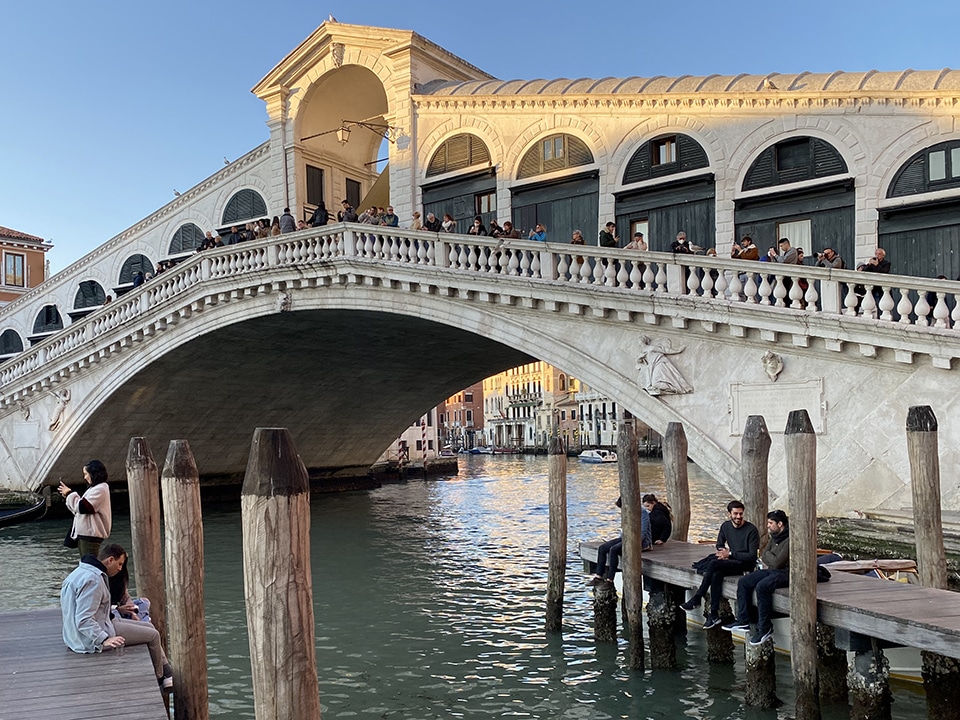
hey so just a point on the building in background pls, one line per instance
(23, 267)
(598, 424)
(460, 419)
(417, 444)
(520, 404)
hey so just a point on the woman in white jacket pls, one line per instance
(92, 517)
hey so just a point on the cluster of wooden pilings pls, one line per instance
(821, 671)
(275, 511)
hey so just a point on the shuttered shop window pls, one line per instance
(457, 153)
(794, 160)
(645, 163)
(186, 239)
(10, 343)
(244, 205)
(933, 168)
(556, 152)
(89, 294)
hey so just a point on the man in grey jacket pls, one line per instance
(776, 574)
(87, 623)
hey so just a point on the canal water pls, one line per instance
(429, 603)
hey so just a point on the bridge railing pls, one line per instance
(891, 298)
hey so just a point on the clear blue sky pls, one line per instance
(109, 106)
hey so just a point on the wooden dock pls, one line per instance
(900, 613)
(41, 678)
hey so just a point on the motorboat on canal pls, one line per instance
(598, 456)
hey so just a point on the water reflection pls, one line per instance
(429, 602)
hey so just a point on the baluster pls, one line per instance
(598, 270)
(661, 278)
(736, 287)
(886, 305)
(693, 282)
(463, 258)
(563, 266)
(610, 273)
(850, 301)
(868, 306)
(796, 293)
(585, 271)
(955, 315)
(904, 307)
(524, 263)
(452, 259)
(811, 297)
(922, 309)
(514, 263)
(649, 277)
(721, 284)
(535, 264)
(636, 275)
(431, 252)
(706, 284)
(765, 290)
(750, 288)
(941, 312)
(472, 257)
(623, 277)
(421, 252)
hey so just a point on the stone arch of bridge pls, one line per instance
(345, 371)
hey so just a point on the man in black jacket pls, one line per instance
(737, 545)
(776, 574)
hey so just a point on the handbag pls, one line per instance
(69, 541)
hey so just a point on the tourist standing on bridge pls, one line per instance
(477, 228)
(92, 516)
(637, 243)
(389, 218)
(539, 233)
(320, 215)
(680, 246)
(775, 574)
(449, 224)
(608, 236)
(287, 222)
(432, 224)
(737, 545)
(85, 607)
(830, 260)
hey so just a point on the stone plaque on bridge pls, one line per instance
(774, 401)
(26, 435)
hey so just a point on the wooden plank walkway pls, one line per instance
(41, 678)
(900, 613)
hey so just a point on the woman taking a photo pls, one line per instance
(92, 517)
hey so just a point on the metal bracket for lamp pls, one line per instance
(387, 132)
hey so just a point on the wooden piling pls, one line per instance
(720, 641)
(869, 681)
(661, 616)
(754, 455)
(605, 612)
(833, 665)
(675, 474)
(275, 515)
(183, 526)
(800, 443)
(143, 486)
(632, 530)
(941, 675)
(557, 570)
(761, 686)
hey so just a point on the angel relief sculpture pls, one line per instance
(658, 374)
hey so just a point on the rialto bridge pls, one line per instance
(345, 334)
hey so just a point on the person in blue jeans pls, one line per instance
(609, 553)
(776, 574)
(737, 545)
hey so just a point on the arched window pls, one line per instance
(934, 168)
(555, 152)
(246, 204)
(563, 383)
(794, 160)
(187, 238)
(133, 264)
(457, 153)
(48, 320)
(89, 294)
(10, 343)
(665, 155)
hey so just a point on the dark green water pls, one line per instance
(429, 603)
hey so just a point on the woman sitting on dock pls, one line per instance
(608, 554)
(661, 518)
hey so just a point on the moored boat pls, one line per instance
(19, 507)
(598, 456)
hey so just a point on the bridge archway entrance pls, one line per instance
(338, 138)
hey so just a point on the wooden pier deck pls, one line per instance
(41, 678)
(900, 613)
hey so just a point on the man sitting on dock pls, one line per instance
(776, 574)
(737, 545)
(85, 606)
(609, 552)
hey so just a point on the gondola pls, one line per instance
(21, 507)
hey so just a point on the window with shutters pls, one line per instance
(315, 185)
(10, 343)
(134, 264)
(353, 193)
(187, 238)
(665, 155)
(245, 205)
(553, 153)
(459, 152)
(89, 294)
(48, 320)
(14, 265)
(794, 160)
(933, 168)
